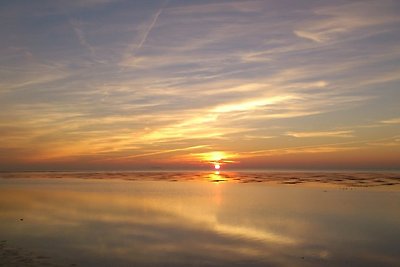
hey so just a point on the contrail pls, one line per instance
(149, 29)
(151, 26)
(81, 36)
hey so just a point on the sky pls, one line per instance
(174, 84)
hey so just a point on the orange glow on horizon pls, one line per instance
(216, 158)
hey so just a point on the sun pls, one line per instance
(218, 159)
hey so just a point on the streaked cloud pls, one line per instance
(251, 104)
(321, 134)
(302, 150)
(391, 121)
(82, 36)
(337, 21)
(156, 80)
(311, 36)
(162, 152)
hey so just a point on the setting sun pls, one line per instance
(217, 166)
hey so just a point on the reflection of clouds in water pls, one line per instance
(245, 232)
(144, 224)
(173, 224)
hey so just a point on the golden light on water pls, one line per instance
(216, 177)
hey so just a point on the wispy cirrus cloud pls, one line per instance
(241, 76)
(315, 149)
(321, 134)
(332, 22)
(391, 121)
(311, 36)
(77, 27)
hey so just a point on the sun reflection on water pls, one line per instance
(229, 223)
(216, 177)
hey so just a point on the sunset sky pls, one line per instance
(158, 84)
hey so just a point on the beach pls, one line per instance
(199, 219)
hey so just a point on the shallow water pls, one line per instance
(203, 219)
(347, 179)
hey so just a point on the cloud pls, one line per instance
(230, 75)
(91, 3)
(231, 6)
(161, 152)
(391, 141)
(148, 30)
(325, 148)
(257, 137)
(252, 104)
(300, 150)
(321, 134)
(332, 22)
(34, 81)
(391, 121)
(77, 27)
(144, 33)
(311, 36)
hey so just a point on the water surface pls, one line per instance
(203, 219)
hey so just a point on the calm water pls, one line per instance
(203, 219)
